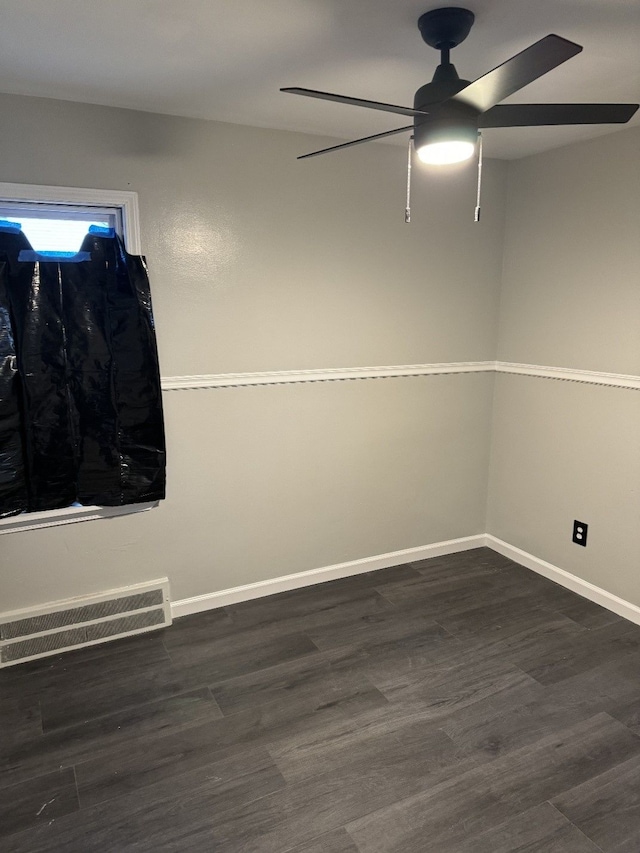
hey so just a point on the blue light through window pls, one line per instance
(57, 235)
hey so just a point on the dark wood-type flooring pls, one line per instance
(457, 705)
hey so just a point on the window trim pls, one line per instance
(127, 202)
(68, 515)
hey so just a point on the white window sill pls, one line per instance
(68, 515)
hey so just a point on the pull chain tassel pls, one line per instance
(477, 214)
(407, 210)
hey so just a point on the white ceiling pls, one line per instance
(227, 59)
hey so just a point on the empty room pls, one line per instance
(319, 426)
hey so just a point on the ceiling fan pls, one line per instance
(449, 112)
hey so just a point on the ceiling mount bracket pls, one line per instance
(446, 28)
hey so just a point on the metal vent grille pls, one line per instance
(64, 626)
(126, 624)
(42, 645)
(76, 615)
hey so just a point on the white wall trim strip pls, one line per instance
(68, 515)
(271, 586)
(287, 377)
(587, 590)
(569, 374)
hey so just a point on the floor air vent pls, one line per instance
(62, 625)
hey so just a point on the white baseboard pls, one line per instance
(234, 595)
(566, 579)
(213, 600)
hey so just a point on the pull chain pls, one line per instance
(407, 210)
(477, 215)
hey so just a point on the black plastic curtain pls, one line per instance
(80, 401)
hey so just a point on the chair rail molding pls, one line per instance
(571, 374)
(337, 374)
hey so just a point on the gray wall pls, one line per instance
(571, 298)
(258, 263)
(570, 294)
(261, 263)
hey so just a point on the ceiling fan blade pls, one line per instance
(356, 102)
(357, 141)
(529, 115)
(521, 69)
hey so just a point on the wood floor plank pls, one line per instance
(295, 677)
(341, 607)
(173, 814)
(95, 665)
(616, 679)
(320, 598)
(602, 646)
(446, 594)
(607, 808)
(588, 614)
(197, 628)
(89, 741)
(504, 722)
(297, 724)
(452, 705)
(500, 618)
(492, 793)
(39, 800)
(470, 563)
(372, 630)
(322, 803)
(397, 662)
(239, 651)
(542, 637)
(541, 829)
(286, 718)
(380, 578)
(312, 677)
(20, 721)
(335, 842)
(145, 647)
(465, 590)
(445, 690)
(338, 748)
(236, 655)
(152, 760)
(627, 712)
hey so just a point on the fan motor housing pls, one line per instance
(437, 91)
(452, 118)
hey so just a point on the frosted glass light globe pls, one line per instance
(441, 153)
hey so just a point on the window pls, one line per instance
(77, 203)
(55, 221)
(59, 229)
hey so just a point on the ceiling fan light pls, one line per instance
(445, 152)
(450, 137)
